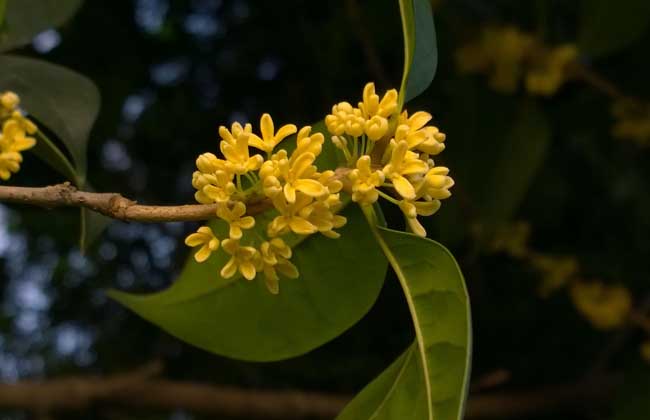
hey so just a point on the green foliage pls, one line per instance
(66, 102)
(430, 379)
(339, 281)
(25, 18)
(607, 27)
(420, 48)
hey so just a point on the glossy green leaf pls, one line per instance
(66, 102)
(420, 48)
(339, 281)
(430, 380)
(26, 18)
(607, 26)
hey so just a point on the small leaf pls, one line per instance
(26, 18)
(66, 102)
(430, 380)
(339, 281)
(607, 27)
(420, 48)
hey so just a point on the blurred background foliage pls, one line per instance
(549, 220)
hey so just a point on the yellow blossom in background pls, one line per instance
(244, 259)
(556, 271)
(550, 70)
(500, 52)
(645, 350)
(270, 138)
(632, 121)
(15, 136)
(605, 306)
(205, 239)
(513, 240)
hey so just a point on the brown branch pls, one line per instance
(114, 205)
(140, 390)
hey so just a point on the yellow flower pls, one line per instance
(246, 259)
(632, 121)
(204, 238)
(322, 214)
(372, 106)
(500, 52)
(345, 119)
(238, 159)
(231, 136)
(365, 181)
(270, 138)
(234, 218)
(404, 162)
(556, 272)
(433, 141)
(293, 216)
(213, 188)
(297, 175)
(605, 306)
(9, 163)
(512, 239)
(376, 127)
(307, 143)
(275, 257)
(13, 140)
(549, 71)
(413, 209)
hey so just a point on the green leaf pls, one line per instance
(339, 281)
(420, 48)
(67, 103)
(64, 101)
(515, 160)
(26, 18)
(607, 27)
(430, 380)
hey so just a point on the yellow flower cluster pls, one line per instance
(14, 137)
(605, 306)
(392, 150)
(632, 121)
(305, 199)
(509, 55)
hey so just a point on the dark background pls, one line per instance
(171, 72)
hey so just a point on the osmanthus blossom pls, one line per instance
(387, 154)
(15, 136)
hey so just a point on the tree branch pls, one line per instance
(115, 205)
(141, 390)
